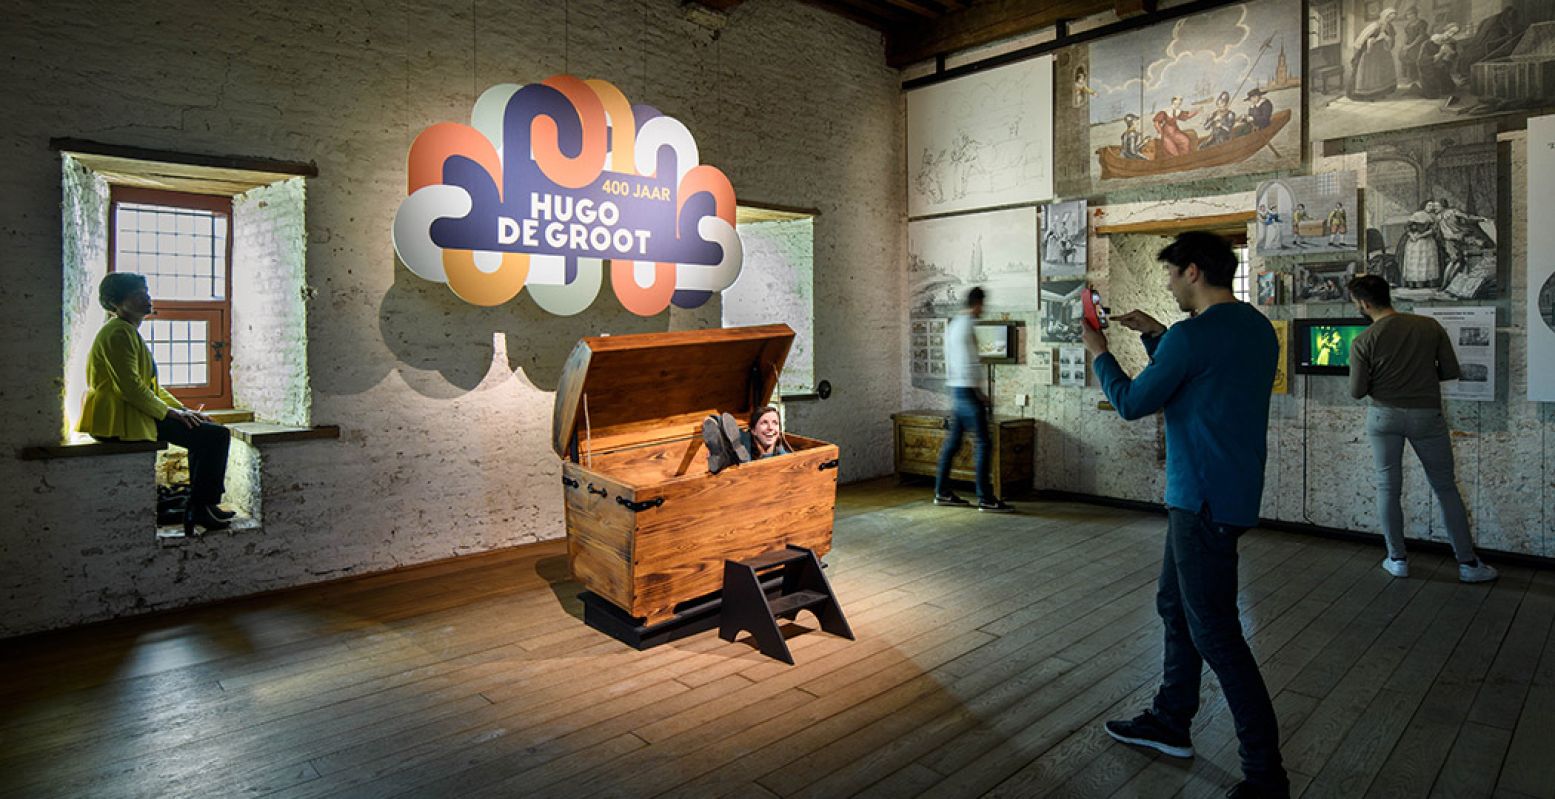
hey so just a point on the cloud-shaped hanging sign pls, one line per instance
(553, 179)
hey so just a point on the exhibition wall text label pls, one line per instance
(551, 181)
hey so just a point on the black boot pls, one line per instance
(201, 515)
(223, 515)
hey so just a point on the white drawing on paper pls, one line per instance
(981, 141)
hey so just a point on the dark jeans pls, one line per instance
(1197, 602)
(207, 445)
(966, 411)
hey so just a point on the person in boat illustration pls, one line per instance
(1133, 140)
(1260, 112)
(1170, 140)
(1222, 121)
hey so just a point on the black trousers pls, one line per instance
(1196, 598)
(207, 444)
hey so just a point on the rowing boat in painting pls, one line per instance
(1240, 148)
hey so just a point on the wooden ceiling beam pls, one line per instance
(984, 23)
(925, 10)
(848, 11)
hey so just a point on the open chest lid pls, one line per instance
(620, 391)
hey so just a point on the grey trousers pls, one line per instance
(1426, 431)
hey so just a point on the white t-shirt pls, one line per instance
(963, 369)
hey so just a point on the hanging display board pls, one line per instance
(981, 141)
(1541, 259)
(1473, 335)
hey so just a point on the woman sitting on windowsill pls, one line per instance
(124, 401)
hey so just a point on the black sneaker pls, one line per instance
(719, 456)
(950, 499)
(1146, 730)
(731, 431)
(996, 506)
(1248, 790)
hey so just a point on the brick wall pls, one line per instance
(269, 347)
(445, 408)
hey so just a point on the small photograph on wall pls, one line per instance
(1213, 94)
(1061, 311)
(1064, 236)
(1042, 366)
(1071, 366)
(1307, 214)
(1325, 282)
(1431, 208)
(927, 346)
(1268, 288)
(1376, 66)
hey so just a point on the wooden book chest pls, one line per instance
(648, 528)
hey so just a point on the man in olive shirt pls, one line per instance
(1399, 362)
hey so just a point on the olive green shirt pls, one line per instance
(1400, 360)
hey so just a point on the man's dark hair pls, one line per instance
(1372, 290)
(974, 297)
(1209, 252)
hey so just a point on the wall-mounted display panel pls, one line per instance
(981, 141)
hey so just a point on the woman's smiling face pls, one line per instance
(766, 430)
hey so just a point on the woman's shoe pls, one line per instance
(223, 515)
(201, 515)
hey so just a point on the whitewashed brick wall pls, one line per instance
(444, 449)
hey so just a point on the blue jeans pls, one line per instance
(1196, 598)
(967, 411)
(1426, 431)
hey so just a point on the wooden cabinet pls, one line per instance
(648, 528)
(921, 434)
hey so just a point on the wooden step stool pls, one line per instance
(747, 607)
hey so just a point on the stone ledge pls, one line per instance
(172, 535)
(261, 433)
(88, 448)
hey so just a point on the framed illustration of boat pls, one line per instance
(1199, 156)
(1209, 95)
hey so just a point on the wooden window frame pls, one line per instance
(217, 393)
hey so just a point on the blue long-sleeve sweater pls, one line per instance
(1213, 374)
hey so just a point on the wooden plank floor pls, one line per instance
(990, 648)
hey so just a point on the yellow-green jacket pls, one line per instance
(123, 398)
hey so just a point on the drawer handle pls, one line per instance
(831, 464)
(600, 491)
(569, 482)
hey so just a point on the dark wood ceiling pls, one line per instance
(918, 30)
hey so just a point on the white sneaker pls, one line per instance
(1478, 572)
(1397, 568)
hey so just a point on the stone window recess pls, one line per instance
(776, 284)
(264, 302)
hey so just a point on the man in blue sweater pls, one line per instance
(1212, 374)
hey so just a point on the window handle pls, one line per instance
(218, 346)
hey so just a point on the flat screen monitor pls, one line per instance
(1323, 345)
(997, 342)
